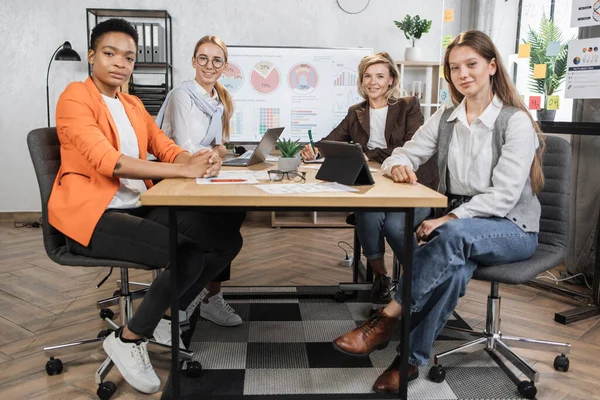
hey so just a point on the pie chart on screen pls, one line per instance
(232, 78)
(265, 77)
(303, 78)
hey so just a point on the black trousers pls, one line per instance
(207, 243)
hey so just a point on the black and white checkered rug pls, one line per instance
(283, 350)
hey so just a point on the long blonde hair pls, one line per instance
(393, 93)
(501, 86)
(223, 94)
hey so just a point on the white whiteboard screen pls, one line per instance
(297, 88)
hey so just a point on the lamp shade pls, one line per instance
(66, 53)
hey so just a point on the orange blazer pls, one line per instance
(89, 150)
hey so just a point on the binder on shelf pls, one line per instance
(158, 44)
(139, 27)
(147, 43)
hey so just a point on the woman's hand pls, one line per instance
(307, 152)
(221, 150)
(428, 226)
(199, 163)
(403, 174)
(215, 162)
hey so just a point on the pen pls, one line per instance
(228, 180)
(311, 141)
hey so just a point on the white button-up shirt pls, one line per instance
(185, 123)
(495, 192)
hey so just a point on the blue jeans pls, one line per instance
(443, 267)
(372, 226)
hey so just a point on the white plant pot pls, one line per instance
(288, 164)
(412, 54)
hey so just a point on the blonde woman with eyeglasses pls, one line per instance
(196, 115)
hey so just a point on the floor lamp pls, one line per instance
(63, 53)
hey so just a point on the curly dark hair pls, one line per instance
(112, 25)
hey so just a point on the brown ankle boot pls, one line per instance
(373, 334)
(389, 381)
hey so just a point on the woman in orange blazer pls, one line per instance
(104, 137)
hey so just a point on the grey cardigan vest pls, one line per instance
(526, 213)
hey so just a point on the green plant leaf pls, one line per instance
(289, 148)
(556, 66)
(414, 27)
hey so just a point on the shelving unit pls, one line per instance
(428, 73)
(150, 81)
(309, 220)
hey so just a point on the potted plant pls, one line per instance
(290, 150)
(556, 65)
(413, 28)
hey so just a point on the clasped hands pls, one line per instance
(405, 174)
(205, 163)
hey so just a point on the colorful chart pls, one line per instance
(303, 78)
(346, 77)
(232, 78)
(267, 118)
(265, 77)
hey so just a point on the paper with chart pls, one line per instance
(297, 88)
(583, 69)
(235, 178)
(585, 13)
(295, 188)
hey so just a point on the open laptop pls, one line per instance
(264, 148)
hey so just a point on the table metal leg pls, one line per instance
(409, 217)
(174, 304)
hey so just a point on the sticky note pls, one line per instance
(539, 71)
(535, 102)
(448, 15)
(524, 50)
(552, 103)
(553, 49)
(444, 95)
(442, 72)
(446, 40)
(522, 98)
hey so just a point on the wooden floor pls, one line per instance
(42, 303)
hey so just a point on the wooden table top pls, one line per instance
(383, 194)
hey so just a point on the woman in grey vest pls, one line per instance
(489, 151)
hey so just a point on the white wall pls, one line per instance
(30, 31)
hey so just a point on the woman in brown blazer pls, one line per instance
(382, 122)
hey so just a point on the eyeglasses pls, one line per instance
(294, 176)
(217, 62)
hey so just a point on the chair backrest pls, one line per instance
(555, 196)
(44, 149)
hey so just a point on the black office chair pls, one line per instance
(44, 149)
(551, 252)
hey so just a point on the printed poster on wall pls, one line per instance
(585, 13)
(583, 69)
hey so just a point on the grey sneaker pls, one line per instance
(219, 312)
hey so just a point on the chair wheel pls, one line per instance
(437, 374)
(340, 296)
(527, 389)
(107, 313)
(561, 363)
(54, 366)
(194, 369)
(106, 390)
(104, 333)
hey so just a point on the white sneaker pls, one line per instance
(133, 363)
(162, 333)
(219, 312)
